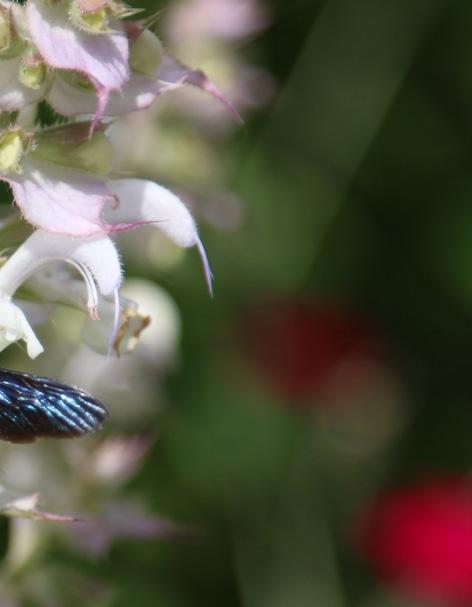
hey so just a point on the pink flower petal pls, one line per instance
(117, 459)
(26, 507)
(123, 520)
(13, 95)
(173, 74)
(226, 19)
(138, 93)
(103, 57)
(59, 199)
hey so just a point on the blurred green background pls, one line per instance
(358, 193)
(357, 190)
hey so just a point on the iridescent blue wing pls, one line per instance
(32, 406)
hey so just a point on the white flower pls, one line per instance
(96, 259)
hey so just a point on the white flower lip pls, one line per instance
(140, 200)
(95, 258)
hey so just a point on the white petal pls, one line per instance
(15, 327)
(139, 200)
(142, 200)
(97, 255)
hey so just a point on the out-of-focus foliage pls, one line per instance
(347, 196)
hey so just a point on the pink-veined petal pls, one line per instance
(138, 93)
(140, 200)
(27, 507)
(59, 199)
(126, 521)
(173, 74)
(13, 95)
(228, 20)
(103, 57)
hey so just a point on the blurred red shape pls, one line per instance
(300, 345)
(419, 539)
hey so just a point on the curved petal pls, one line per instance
(138, 93)
(139, 200)
(172, 74)
(59, 199)
(142, 200)
(97, 255)
(102, 57)
(13, 95)
(15, 327)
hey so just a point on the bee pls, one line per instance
(32, 406)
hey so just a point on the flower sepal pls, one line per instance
(93, 21)
(146, 54)
(33, 70)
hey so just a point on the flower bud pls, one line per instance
(33, 70)
(94, 20)
(14, 143)
(146, 54)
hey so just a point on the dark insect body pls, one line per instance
(32, 406)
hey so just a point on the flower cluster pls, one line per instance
(91, 63)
